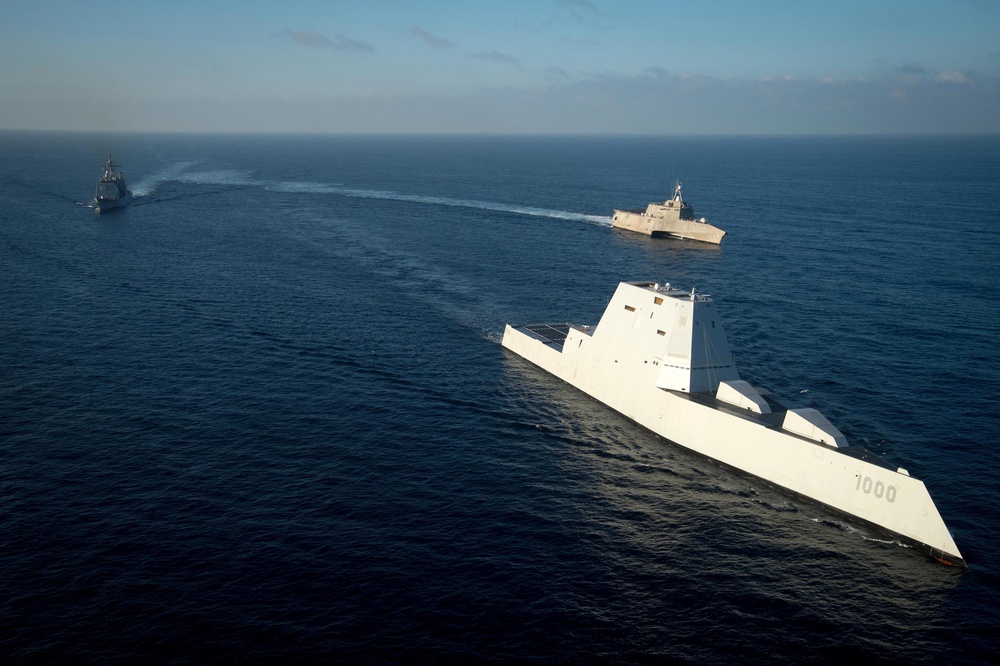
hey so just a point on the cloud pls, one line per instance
(654, 102)
(586, 13)
(313, 38)
(494, 56)
(429, 39)
(663, 103)
(951, 76)
(558, 73)
(582, 4)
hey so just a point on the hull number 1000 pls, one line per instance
(867, 485)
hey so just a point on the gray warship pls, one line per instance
(671, 218)
(112, 192)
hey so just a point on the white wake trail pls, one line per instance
(325, 188)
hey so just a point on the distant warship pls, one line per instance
(112, 192)
(670, 218)
(660, 357)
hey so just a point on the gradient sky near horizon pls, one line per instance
(510, 66)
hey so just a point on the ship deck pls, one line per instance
(775, 421)
(554, 336)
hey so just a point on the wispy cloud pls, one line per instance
(658, 102)
(429, 39)
(952, 76)
(558, 73)
(313, 38)
(584, 5)
(584, 12)
(494, 56)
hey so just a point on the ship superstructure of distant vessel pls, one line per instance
(660, 357)
(671, 218)
(112, 192)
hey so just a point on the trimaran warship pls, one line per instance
(673, 217)
(660, 357)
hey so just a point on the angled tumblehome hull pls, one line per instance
(660, 357)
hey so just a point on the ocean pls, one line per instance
(262, 413)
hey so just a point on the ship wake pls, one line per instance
(181, 172)
(388, 195)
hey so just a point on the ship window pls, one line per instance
(630, 308)
(661, 332)
(658, 300)
(713, 323)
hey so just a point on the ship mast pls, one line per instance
(677, 192)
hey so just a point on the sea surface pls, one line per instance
(263, 413)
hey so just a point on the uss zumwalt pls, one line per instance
(670, 218)
(660, 357)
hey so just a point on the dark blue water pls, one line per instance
(262, 413)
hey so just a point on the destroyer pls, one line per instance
(660, 357)
(670, 218)
(112, 192)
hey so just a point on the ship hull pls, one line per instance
(624, 378)
(675, 228)
(104, 204)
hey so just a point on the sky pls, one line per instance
(506, 66)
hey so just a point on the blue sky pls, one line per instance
(542, 66)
